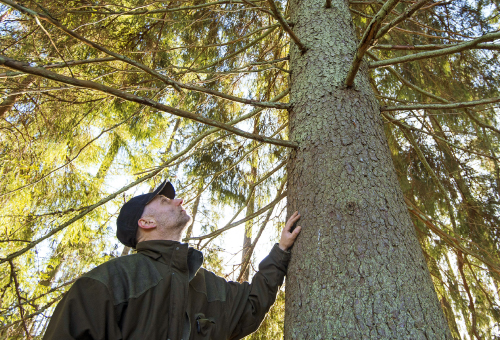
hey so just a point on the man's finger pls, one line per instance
(296, 231)
(294, 217)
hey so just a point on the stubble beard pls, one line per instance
(183, 221)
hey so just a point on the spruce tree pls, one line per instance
(377, 120)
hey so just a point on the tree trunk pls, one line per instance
(9, 101)
(247, 237)
(357, 269)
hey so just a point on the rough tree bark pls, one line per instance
(357, 269)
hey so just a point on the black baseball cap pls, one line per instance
(131, 212)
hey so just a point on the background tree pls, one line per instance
(223, 95)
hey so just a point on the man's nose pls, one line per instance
(179, 201)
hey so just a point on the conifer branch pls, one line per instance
(238, 161)
(441, 106)
(439, 3)
(431, 95)
(157, 11)
(146, 69)
(451, 240)
(367, 39)
(433, 135)
(432, 54)
(243, 49)
(286, 27)
(254, 6)
(217, 44)
(405, 15)
(17, 65)
(409, 137)
(59, 65)
(91, 43)
(431, 47)
(39, 311)
(54, 231)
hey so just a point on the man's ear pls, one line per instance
(147, 223)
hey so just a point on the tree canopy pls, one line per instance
(101, 99)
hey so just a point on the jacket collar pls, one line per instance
(173, 253)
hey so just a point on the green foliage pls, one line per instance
(64, 149)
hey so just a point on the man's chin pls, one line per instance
(185, 220)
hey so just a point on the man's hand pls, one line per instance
(288, 237)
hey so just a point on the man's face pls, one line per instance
(168, 213)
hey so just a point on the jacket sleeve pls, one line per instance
(249, 303)
(86, 312)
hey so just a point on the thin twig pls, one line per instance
(431, 95)
(408, 127)
(54, 45)
(244, 48)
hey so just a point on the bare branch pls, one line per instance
(432, 54)
(431, 47)
(252, 5)
(285, 26)
(11, 99)
(59, 65)
(441, 106)
(367, 39)
(17, 65)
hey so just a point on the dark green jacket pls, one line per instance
(162, 293)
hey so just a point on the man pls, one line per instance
(162, 292)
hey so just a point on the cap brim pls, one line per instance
(166, 189)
